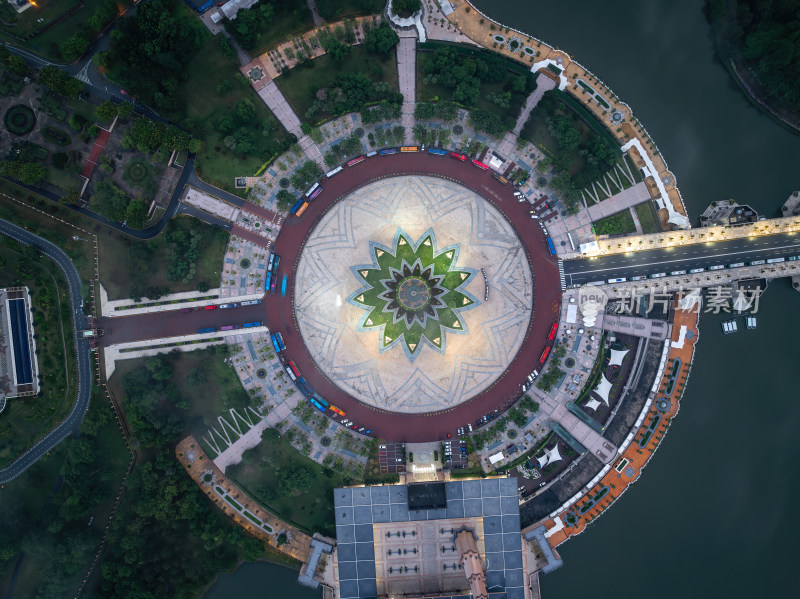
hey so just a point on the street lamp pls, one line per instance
(76, 238)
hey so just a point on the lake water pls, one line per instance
(711, 515)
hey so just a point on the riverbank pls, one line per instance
(730, 55)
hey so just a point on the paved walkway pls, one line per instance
(407, 75)
(277, 103)
(312, 6)
(97, 149)
(232, 455)
(543, 84)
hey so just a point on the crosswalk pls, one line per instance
(561, 275)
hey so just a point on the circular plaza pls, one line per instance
(413, 294)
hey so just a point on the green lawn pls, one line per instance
(259, 473)
(283, 26)
(300, 84)
(616, 224)
(210, 398)
(648, 217)
(26, 420)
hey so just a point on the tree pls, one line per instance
(29, 173)
(381, 39)
(304, 176)
(74, 47)
(406, 7)
(106, 111)
(136, 213)
(336, 49)
(124, 110)
(285, 200)
(71, 196)
(424, 111)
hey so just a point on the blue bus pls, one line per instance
(387, 151)
(249, 325)
(275, 344)
(551, 247)
(316, 405)
(320, 401)
(296, 207)
(437, 151)
(208, 330)
(283, 286)
(302, 384)
(279, 337)
(269, 279)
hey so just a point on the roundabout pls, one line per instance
(385, 317)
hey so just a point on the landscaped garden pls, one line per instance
(19, 119)
(620, 223)
(293, 487)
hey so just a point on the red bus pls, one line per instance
(544, 355)
(458, 156)
(480, 164)
(337, 410)
(553, 331)
(355, 161)
(294, 368)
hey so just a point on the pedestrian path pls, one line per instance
(543, 84)
(407, 75)
(94, 155)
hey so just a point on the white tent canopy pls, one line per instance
(603, 389)
(592, 404)
(553, 455)
(617, 355)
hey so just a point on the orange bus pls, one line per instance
(301, 209)
(409, 149)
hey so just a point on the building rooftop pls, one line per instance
(373, 521)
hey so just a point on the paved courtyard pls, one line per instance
(469, 361)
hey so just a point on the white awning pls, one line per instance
(592, 404)
(617, 355)
(553, 455)
(603, 389)
(493, 459)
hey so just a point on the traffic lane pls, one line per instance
(174, 323)
(547, 296)
(685, 258)
(204, 216)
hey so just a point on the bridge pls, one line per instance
(697, 258)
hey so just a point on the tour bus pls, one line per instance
(312, 189)
(227, 327)
(320, 401)
(208, 330)
(250, 302)
(458, 156)
(302, 209)
(294, 367)
(297, 205)
(271, 261)
(736, 265)
(387, 151)
(617, 280)
(290, 373)
(757, 262)
(330, 174)
(716, 267)
(336, 410)
(355, 161)
(225, 306)
(553, 331)
(675, 273)
(249, 325)
(639, 278)
(302, 384)
(279, 338)
(545, 353)
(409, 149)
(776, 260)
(437, 152)
(551, 247)
(480, 165)
(696, 270)
(316, 405)
(658, 275)
(371, 154)
(269, 279)
(275, 344)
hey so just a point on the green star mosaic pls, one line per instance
(413, 292)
